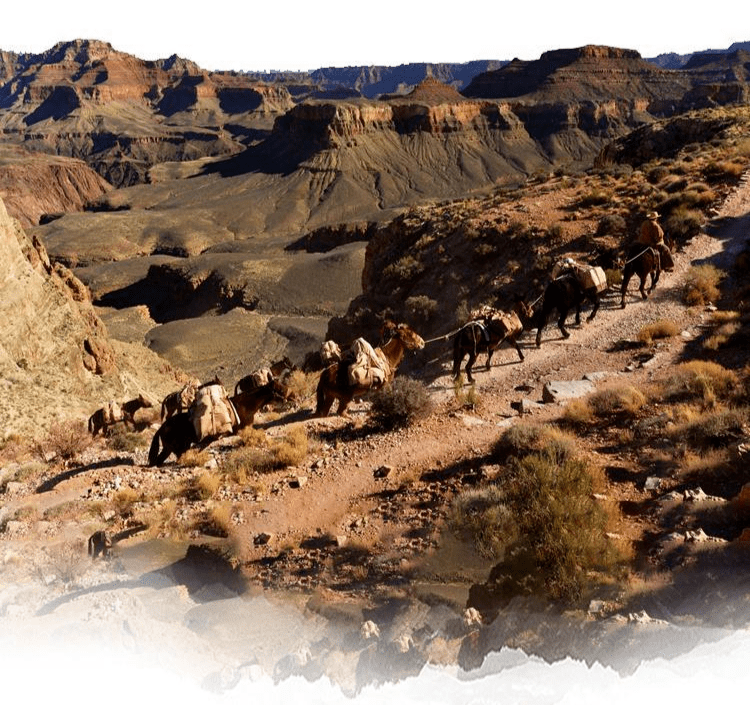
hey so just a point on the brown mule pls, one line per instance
(334, 381)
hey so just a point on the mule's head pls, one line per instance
(144, 401)
(411, 339)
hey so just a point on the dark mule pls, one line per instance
(485, 335)
(644, 261)
(101, 421)
(175, 435)
(250, 402)
(278, 369)
(334, 380)
(561, 295)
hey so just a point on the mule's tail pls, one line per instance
(92, 425)
(153, 451)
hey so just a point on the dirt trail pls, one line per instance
(340, 488)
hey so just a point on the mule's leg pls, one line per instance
(539, 335)
(642, 287)
(626, 275)
(561, 324)
(654, 280)
(468, 366)
(458, 357)
(595, 299)
(343, 403)
(515, 344)
(578, 312)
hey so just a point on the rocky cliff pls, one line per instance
(56, 359)
(122, 115)
(35, 187)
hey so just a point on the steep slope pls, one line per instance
(56, 359)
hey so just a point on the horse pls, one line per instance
(178, 401)
(102, 418)
(334, 381)
(486, 335)
(561, 295)
(644, 261)
(175, 435)
(277, 369)
(249, 402)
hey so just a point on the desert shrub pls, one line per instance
(555, 234)
(123, 440)
(66, 439)
(545, 523)
(725, 324)
(723, 169)
(621, 398)
(292, 448)
(421, 308)
(614, 277)
(301, 384)
(521, 439)
(465, 396)
(683, 223)
(404, 269)
(481, 516)
(240, 463)
(657, 174)
(124, 499)
(712, 429)
(612, 225)
(400, 404)
(702, 285)
(595, 197)
(252, 437)
(657, 330)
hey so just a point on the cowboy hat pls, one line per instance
(653, 215)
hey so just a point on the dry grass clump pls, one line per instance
(194, 458)
(657, 330)
(241, 463)
(400, 404)
(616, 399)
(252, 437)
(301, 384)
(206, 485)
(725, 324)
(700, 380)
(544, 523)
(124, 499)
(702, 285)
(712, 429)
(577, 412)
(292, 448)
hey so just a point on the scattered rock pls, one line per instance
(262, 539)
(369, 630)
(554, 392)
(383, 471)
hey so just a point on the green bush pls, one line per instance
(400, 404)
(543, 522)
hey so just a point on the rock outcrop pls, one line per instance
(56, 359)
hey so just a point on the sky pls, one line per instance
(295, 35)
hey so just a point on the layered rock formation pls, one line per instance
(122, 115)
(36, 186)
(56, 359)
